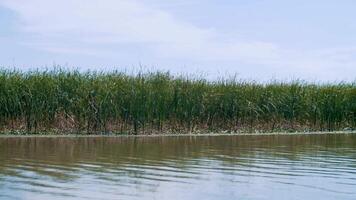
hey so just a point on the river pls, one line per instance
(183, 167)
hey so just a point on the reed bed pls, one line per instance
(156, 102)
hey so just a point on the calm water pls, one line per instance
(220, 167)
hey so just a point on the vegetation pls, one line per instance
(70, 101)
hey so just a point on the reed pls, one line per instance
(156, 102)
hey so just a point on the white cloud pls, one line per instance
(79, 23)
(117, 21)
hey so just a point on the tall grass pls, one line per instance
(70, 101)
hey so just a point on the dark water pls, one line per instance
(221, 167)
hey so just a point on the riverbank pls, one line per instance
(174, 135)
(156, 102)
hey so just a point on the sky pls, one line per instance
(252, 39)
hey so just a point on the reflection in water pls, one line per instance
(218, 167)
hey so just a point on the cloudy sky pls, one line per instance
(255, 39)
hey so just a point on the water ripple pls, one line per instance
(223, 168)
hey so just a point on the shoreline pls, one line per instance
(64, 102)
(174, 135)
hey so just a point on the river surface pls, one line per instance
(187, 168)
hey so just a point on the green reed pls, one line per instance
(93, 102)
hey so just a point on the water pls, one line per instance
(219, 167)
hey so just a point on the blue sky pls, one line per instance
(255, 39)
